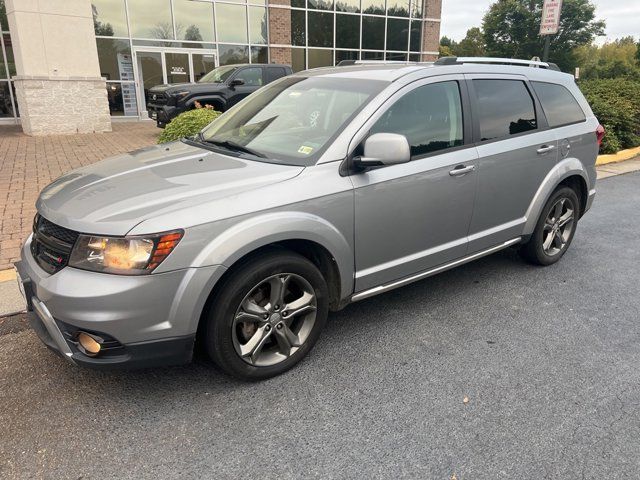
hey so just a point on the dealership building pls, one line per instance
(71, 66)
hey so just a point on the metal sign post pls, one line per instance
(550, 23)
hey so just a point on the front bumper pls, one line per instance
(145, 321)
(162, 114)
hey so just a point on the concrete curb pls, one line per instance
(621, 156)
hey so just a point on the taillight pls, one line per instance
(600, 134)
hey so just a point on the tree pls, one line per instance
(472, 45)
(612, 60)
(193, 34)
(511, 29)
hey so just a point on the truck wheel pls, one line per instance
(267, 316)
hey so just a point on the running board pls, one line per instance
(427, 273)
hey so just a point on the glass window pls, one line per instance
(150, 19)
(348, 5)
(4, 25)
(177, 67)
(298, 28)
(109, 18)
(320, 4)
(122, 99)
(6, 107)
(258, 25)
(398, 8)
(560, 107)
(232, 54)
(414, 57)
(346, 55)
(252, 77)
(115, 59)
(291, 121)
(194, 20)
(320, 29)
(219, 75)
(348, 31)
(298, 59)
(397, 34)
(505, 108)
(202, 64)
(372, 55)
(429, 116)
(320, 58)
(373, 33)
(274, 73)
(373, 6)
(232, 23)
(298, 3)
(416, 35)
(396, 56)
(259, 55)
(416, 7)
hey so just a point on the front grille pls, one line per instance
(157, 98)
(51, 244)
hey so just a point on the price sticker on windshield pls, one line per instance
(305, 150)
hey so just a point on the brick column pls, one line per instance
(58, 85)
(280, 31)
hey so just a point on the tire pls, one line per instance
(539, 250)
(236, 320)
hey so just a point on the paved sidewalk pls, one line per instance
(28, 164)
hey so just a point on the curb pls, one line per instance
(7, 275)
(621, 156)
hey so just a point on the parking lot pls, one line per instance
(547, 359)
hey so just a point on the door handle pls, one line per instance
(462, 170)
(545, 149)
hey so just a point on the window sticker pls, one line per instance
(305, 150)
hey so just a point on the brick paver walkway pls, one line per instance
(28, 164)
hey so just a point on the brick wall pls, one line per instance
(430, 39)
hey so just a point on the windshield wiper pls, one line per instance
(231, 145)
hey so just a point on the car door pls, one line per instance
(413, 216)
(516, 152)
(252, 80)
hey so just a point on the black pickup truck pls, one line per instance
(221, 88)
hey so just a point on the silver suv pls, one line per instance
(323, 188)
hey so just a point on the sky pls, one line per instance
(622, 17)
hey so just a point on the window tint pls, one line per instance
(274, 73)
(252, 76)
(429, 116)
(505, 108)
(558, 104)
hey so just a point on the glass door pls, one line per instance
(177, 67)
(203, 63)
(150, 73)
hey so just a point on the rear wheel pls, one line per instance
(267, 316)
(555, 228)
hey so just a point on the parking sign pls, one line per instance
(550, 17)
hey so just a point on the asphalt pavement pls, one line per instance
(548, 360)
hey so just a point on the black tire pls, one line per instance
(219, 330)
(533, 251)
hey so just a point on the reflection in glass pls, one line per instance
(297, 59)
(398, 8)
(372, 33)
(348, 6)
(115, 59)
(414, 57)
(416, 35)
(348, 31)
(346, 55)
(320, 58)
(6, 108)
(298, 3)
(122, 99)
(177, 65)
(396, 57)
(320, 29)
(4, 25)
(373, 6)
(231, 54)
(232, 23)
(372, 55)
(202, 64)
(194, 20)
(150, 19)
(259, 55)
(397, 34)
(320, 4)
(298, 28)
(258, 25)
(109, 18)
(150, 69)
(416, 9)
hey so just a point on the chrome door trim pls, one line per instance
(399, 283)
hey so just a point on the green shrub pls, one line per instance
(616, 103)
(188, 123)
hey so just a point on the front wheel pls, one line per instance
(267, 316)
(555, 228)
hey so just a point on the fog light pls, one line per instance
(89, 344)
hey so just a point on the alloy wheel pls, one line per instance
(274, 319)
(558, 226)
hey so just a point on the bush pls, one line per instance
(616, 103)
(188, 123)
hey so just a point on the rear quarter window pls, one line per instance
(559, 105)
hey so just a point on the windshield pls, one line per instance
(218, 75)
(291, 121)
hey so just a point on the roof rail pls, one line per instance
(344, 63)
(496, 61)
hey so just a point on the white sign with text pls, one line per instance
(550, 17)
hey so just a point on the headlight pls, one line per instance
(180, 94)
(123, 255)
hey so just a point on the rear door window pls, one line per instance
(505, 108)
(559, 105)
(274, 73)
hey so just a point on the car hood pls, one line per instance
(113, 196)
(191, 87)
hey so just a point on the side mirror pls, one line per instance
(236, 82)
(384, 149)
